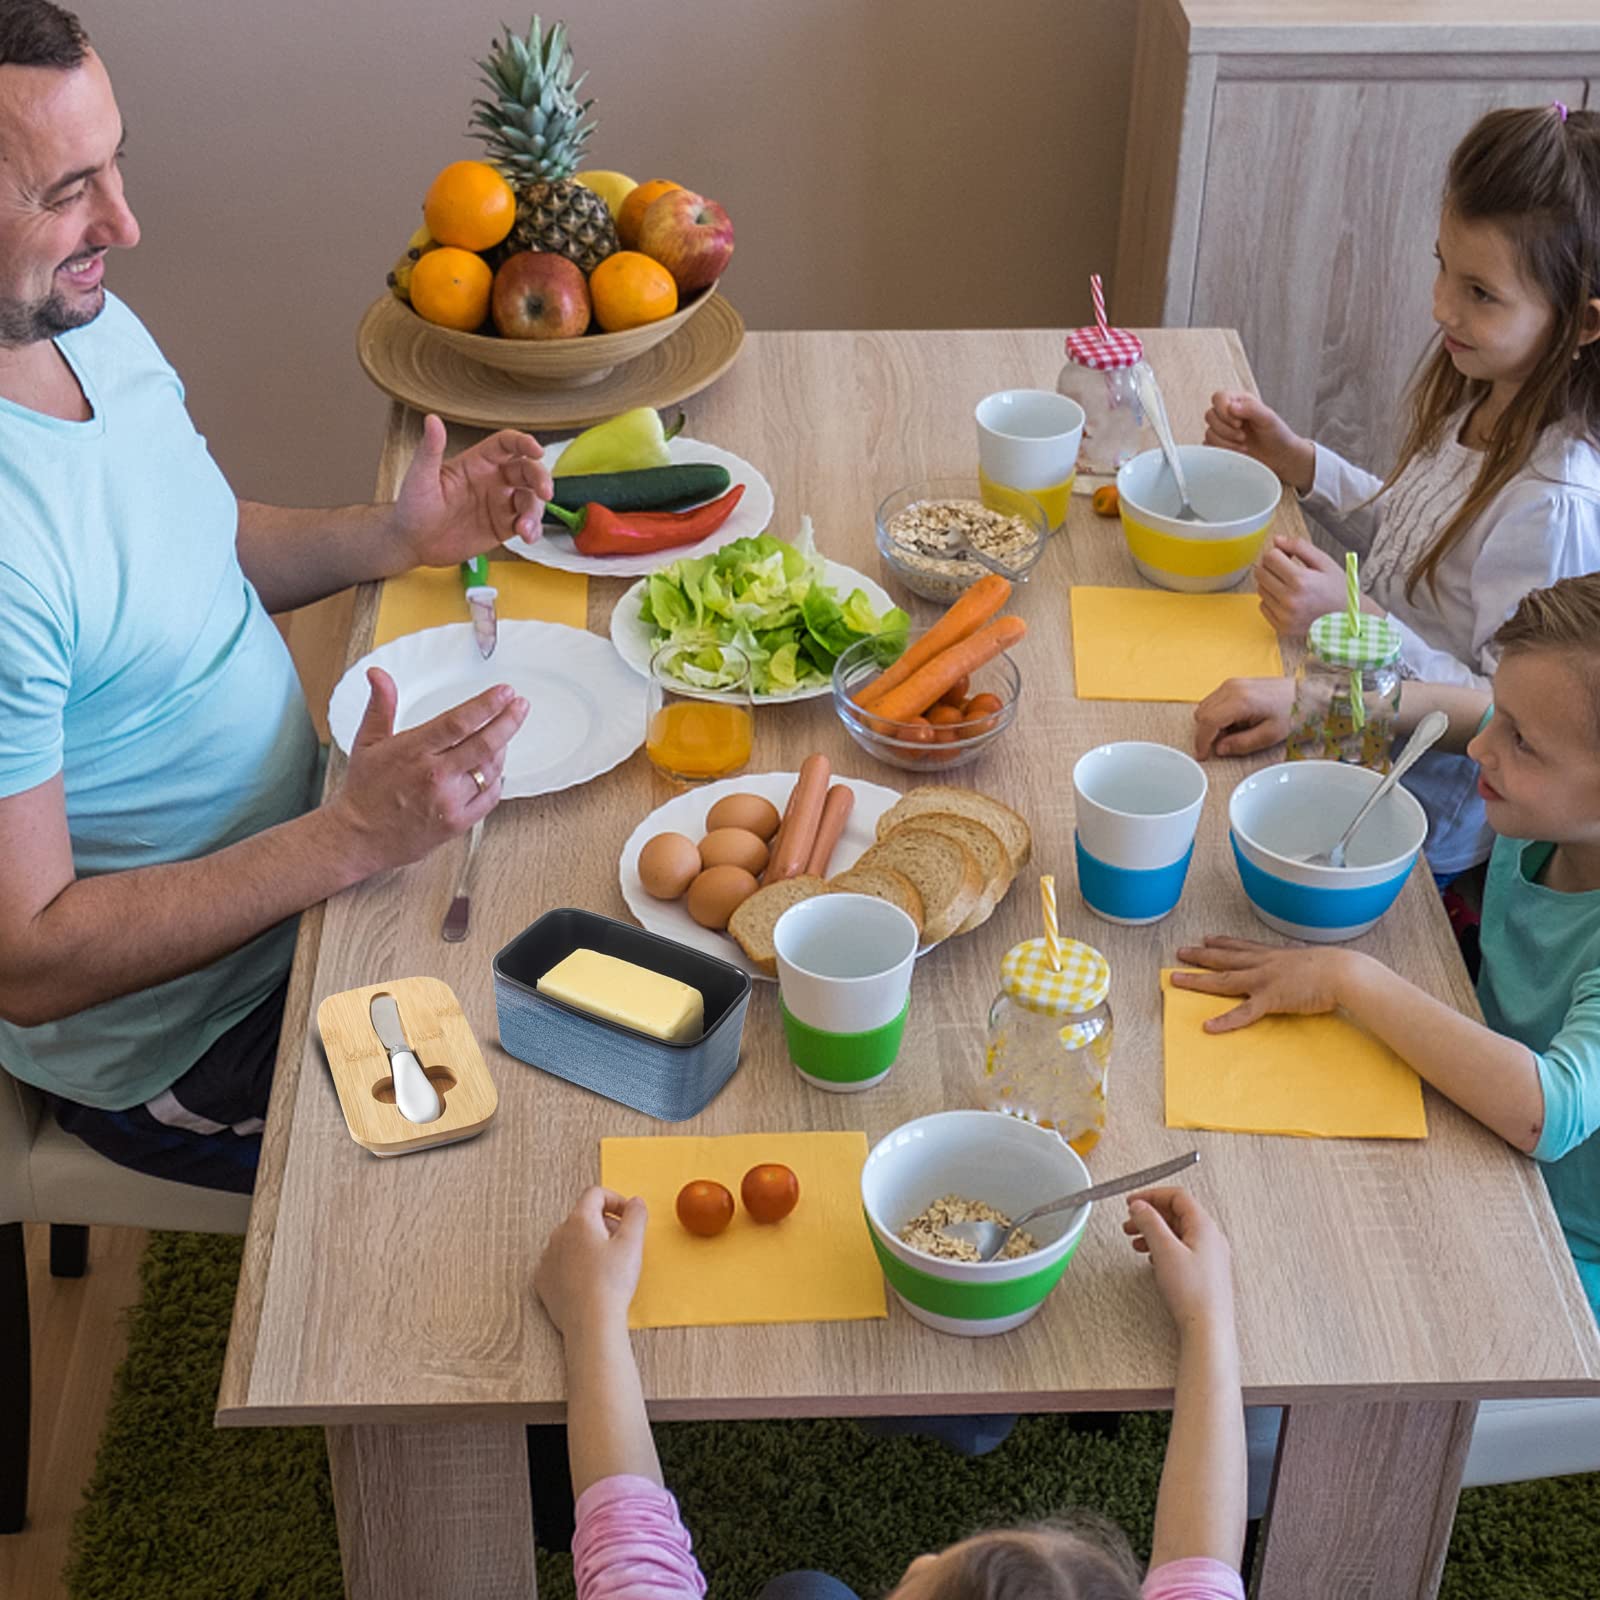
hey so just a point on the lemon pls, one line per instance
(612, 187)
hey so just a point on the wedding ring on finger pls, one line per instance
(476, 774)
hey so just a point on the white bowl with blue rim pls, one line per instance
(1284, 813)
(1003, 1161)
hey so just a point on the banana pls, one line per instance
(399, 279)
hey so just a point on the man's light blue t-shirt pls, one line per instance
(1540, 984)
(137, 661)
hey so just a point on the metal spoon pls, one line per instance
(1424, 737)
(989, 1238)
(1156, 409)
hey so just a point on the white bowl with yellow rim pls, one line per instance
(1236, 499)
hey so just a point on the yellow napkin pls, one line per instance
(816, 1265)
(429, 597)
(1150, 644)
(1316, 1077)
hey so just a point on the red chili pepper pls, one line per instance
(602, 532)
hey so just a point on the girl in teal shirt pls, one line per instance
(1531, 1070)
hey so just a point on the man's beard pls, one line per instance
(27, 322)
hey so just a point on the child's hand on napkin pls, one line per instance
(1242, 716)
(590, 1266)
(1268, 979)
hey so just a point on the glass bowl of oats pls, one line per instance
(944, 1167)
(938, 537)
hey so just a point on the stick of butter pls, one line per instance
(629, 995)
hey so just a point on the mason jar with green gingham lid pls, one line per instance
(1347, 692)
(1049, 1045)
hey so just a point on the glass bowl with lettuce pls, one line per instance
(791, 613)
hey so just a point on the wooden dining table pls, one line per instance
(1384, 1287)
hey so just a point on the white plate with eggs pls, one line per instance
(687, 813)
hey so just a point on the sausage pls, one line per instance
(835, 813)
(799, 831)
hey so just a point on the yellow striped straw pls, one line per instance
(1052, 933)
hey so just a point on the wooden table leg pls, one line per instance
(1363, 1500)
(431, 1511)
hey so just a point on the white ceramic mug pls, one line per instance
(844, 961)
(1028, 441)
(1138, 804)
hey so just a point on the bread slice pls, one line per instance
(753, 922)
(882, 883)
(945, 872)
(989, 852)
(1010, 828)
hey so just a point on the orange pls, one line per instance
(628, 290)
(469, 205)
(634, 208)
(451, 287)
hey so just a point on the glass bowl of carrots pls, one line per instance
(974, 710)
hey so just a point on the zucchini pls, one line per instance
(649, 489)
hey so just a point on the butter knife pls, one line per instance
(460, 912)
(481, 598)
(416, 1098)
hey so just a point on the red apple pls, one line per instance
(690, 236)
(539, 295)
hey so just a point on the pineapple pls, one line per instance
(535, 127)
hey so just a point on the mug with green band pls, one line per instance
(1003, 1161)
(844, 985)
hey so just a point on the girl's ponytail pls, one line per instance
(1535, 173)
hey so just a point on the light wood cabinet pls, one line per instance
(1285, 160)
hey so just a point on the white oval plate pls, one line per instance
(631, 636)
(588, 708)
(686, 814)
(751, 516)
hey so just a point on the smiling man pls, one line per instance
(156, 760)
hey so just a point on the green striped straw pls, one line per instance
(1352, 632)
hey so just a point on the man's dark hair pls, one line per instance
(35, 33)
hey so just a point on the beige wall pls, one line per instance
(895, 163)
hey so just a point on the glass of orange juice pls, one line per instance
(699, 721)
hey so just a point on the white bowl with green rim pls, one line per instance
(1236, 499)
(1003, 1161)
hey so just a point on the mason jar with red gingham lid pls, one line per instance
(1103, 371)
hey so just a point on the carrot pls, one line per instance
(929, 681)
(792, 848)
(966, 616)
(835, 814)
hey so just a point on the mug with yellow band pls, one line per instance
(1028, 444)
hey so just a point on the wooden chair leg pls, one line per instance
(69, 1250)
(15, 1383)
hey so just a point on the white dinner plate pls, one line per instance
(686, 814)
(631, 635)
(587, 708)
(751, 516)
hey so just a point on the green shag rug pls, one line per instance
(177, 1507)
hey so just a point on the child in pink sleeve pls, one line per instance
(631, 1544)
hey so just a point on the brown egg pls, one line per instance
(717, 893)
(668, 864)
(736, 847)
(747, 811)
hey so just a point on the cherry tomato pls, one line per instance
(914, 730)
(1106, 501)
(982, 709)
(704, 1207)
(956, 694)
(770, 1192)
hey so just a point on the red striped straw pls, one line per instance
(1099, 294)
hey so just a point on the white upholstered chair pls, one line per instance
(48, 1176)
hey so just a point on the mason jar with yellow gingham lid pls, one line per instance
(1050, 1040)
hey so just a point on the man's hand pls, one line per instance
(1270, 978)
(405, 793)
(1238, 421)
(1189, 1253)
(1298, 583)
(590, 1266)
(1241, 716)
(449, 511)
